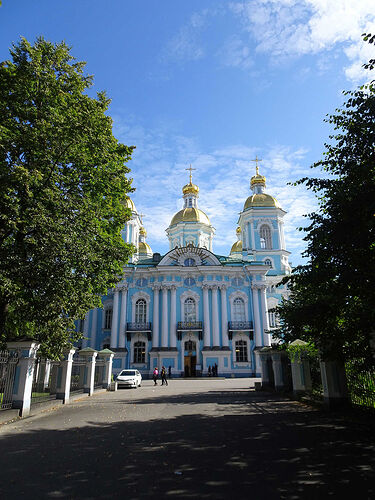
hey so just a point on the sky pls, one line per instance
(212, 83)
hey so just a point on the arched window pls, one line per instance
(241, 351)
(108, 318)
(189, 262)
(139, 352)
(140, 311)
(190, 345)
(265, 237)
(268, 262)
(239, 309)
(189, 310)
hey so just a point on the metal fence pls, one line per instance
(77, 380)
(361, 383)
(8, 364)
(99, 373)
(44, 380)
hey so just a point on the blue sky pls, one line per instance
(212, 83)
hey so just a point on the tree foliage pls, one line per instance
(63, 189)
(332, 297)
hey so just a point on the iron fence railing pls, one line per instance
(8, 364)
(139, 327)
(190, 325)
(361, 383)
(240, 325)
(44, 380)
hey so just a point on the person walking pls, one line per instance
(169, 371)
(163, 374)
(155, 375)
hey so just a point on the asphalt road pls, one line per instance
(208, 438)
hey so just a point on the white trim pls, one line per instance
(194, 336)
(236, 337)
(140, 337)
(141, 295)
(186, 295)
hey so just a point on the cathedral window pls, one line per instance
(241, 351)
(189, 262)
(139, 352)
(108, 318)
(189, 281)
(265, 237)
(190, 345)
(268, 262)
(140, 311)
(272, 319)
(239, 309)
(189, 310)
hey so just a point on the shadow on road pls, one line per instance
(258, 454)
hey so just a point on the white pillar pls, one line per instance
(215, 319)
(257, 329)
(224, 315)
(64, 377)
(85, 341)
(173, 325)
(114, 331)
(155, 318)
(164, 319)
(124, 301)
(252, 235)
(263, 305)
(94, 325)
(206, 318)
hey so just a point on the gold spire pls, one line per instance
(257, 178)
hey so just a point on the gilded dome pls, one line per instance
(190, 214)
(261, 200)
(130, 204)
(142, 231)
(190, 189)
(238, 230)
(257, 179)
(236, 247)
(144, 248)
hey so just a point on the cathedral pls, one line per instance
(191, 309)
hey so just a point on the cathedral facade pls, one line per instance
(191, 309)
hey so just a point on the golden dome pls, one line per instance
(144, 248)
(130, 204)
(238, 230)
(261, 200)
(190, 189)
(257, 179)
(142, 231)
(236, 247)
(190, 215)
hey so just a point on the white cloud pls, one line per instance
(299, 27)
(235, 53)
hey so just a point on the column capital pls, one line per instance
(122, 287)
(259, 286)
(223, 287)
(156, 286)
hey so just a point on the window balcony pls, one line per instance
(189, 326)
(138, 327)
(240, 326)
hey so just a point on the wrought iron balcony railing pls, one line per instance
(240, 326)
(139, 327)
(189, 325)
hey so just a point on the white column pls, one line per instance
(266, 326)
(94, 325)
(114, 320)
(164, 319)
(252, 235)
(206, 318)
(172, 326)
(224, 315)
(124, 301)
(155, 318)
(85, 341)
(257, 330)
(215, 318)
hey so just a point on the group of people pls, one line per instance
(212, 370)
(163, 375)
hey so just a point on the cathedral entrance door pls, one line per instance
(190, 358)
(189, 363)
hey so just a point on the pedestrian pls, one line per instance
(215, 370)
(163, 374)
(155, 375)
(209, 370)
(169, 372)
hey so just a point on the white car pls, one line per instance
(129, 378)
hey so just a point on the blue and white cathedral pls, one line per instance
(192, 309)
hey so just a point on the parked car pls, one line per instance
(129, 378)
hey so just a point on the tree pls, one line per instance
(63, 195)
(332, 297)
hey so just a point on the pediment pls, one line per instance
(189, 256)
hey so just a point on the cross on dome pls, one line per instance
(191, 169)
(256, 164)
